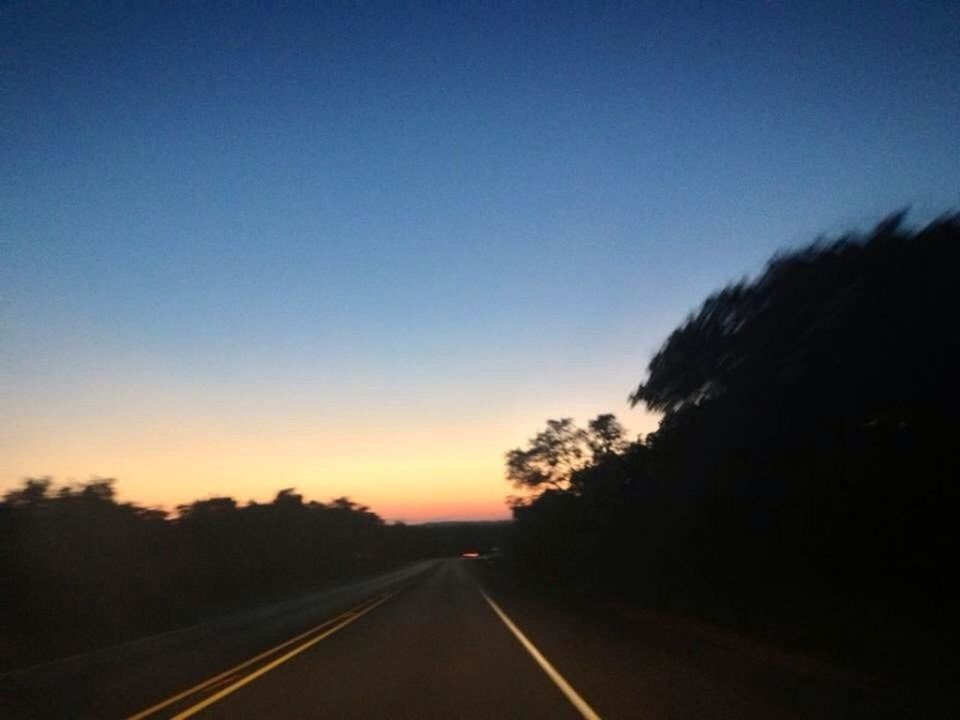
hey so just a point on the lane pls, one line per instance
(188, 702)
(575, 698)
(118, 682)
(640, 667)
(441, 639)
(436, 650)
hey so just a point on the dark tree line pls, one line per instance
(80, 569)
(804, 474)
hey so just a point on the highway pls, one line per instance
(436, 639)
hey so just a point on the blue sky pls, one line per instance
(404, 225)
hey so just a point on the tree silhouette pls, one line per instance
(606, 436)
(82, 569)
(803, 470)
(550, 458)
(866, 323)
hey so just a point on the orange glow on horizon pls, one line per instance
(431, 471)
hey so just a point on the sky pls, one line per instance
(366, 248)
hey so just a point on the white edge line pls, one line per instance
(572, 695)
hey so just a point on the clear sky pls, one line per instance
(366, 249)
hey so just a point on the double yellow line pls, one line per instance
(309, 638)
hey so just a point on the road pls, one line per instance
(432, 640)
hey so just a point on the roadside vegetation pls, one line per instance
(82, 570)
(801, 486)
(802, 483)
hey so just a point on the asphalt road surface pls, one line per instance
(431, 640)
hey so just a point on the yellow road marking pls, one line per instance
(279, 661)
(227, 674)
(224, 681)
(578, 702)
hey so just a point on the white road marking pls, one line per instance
(572, 695)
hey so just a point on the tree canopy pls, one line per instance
(804, 467)
(555, 454)
(864, 324)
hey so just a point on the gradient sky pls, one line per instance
(366, 249)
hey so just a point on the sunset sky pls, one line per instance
(365, 250)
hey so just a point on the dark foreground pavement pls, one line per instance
(424, 642)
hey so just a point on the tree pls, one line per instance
(550, 458)
(606, 436)
(804, 459)
(555, 457)
(809, 415)
(864, 324)
(32, 494)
